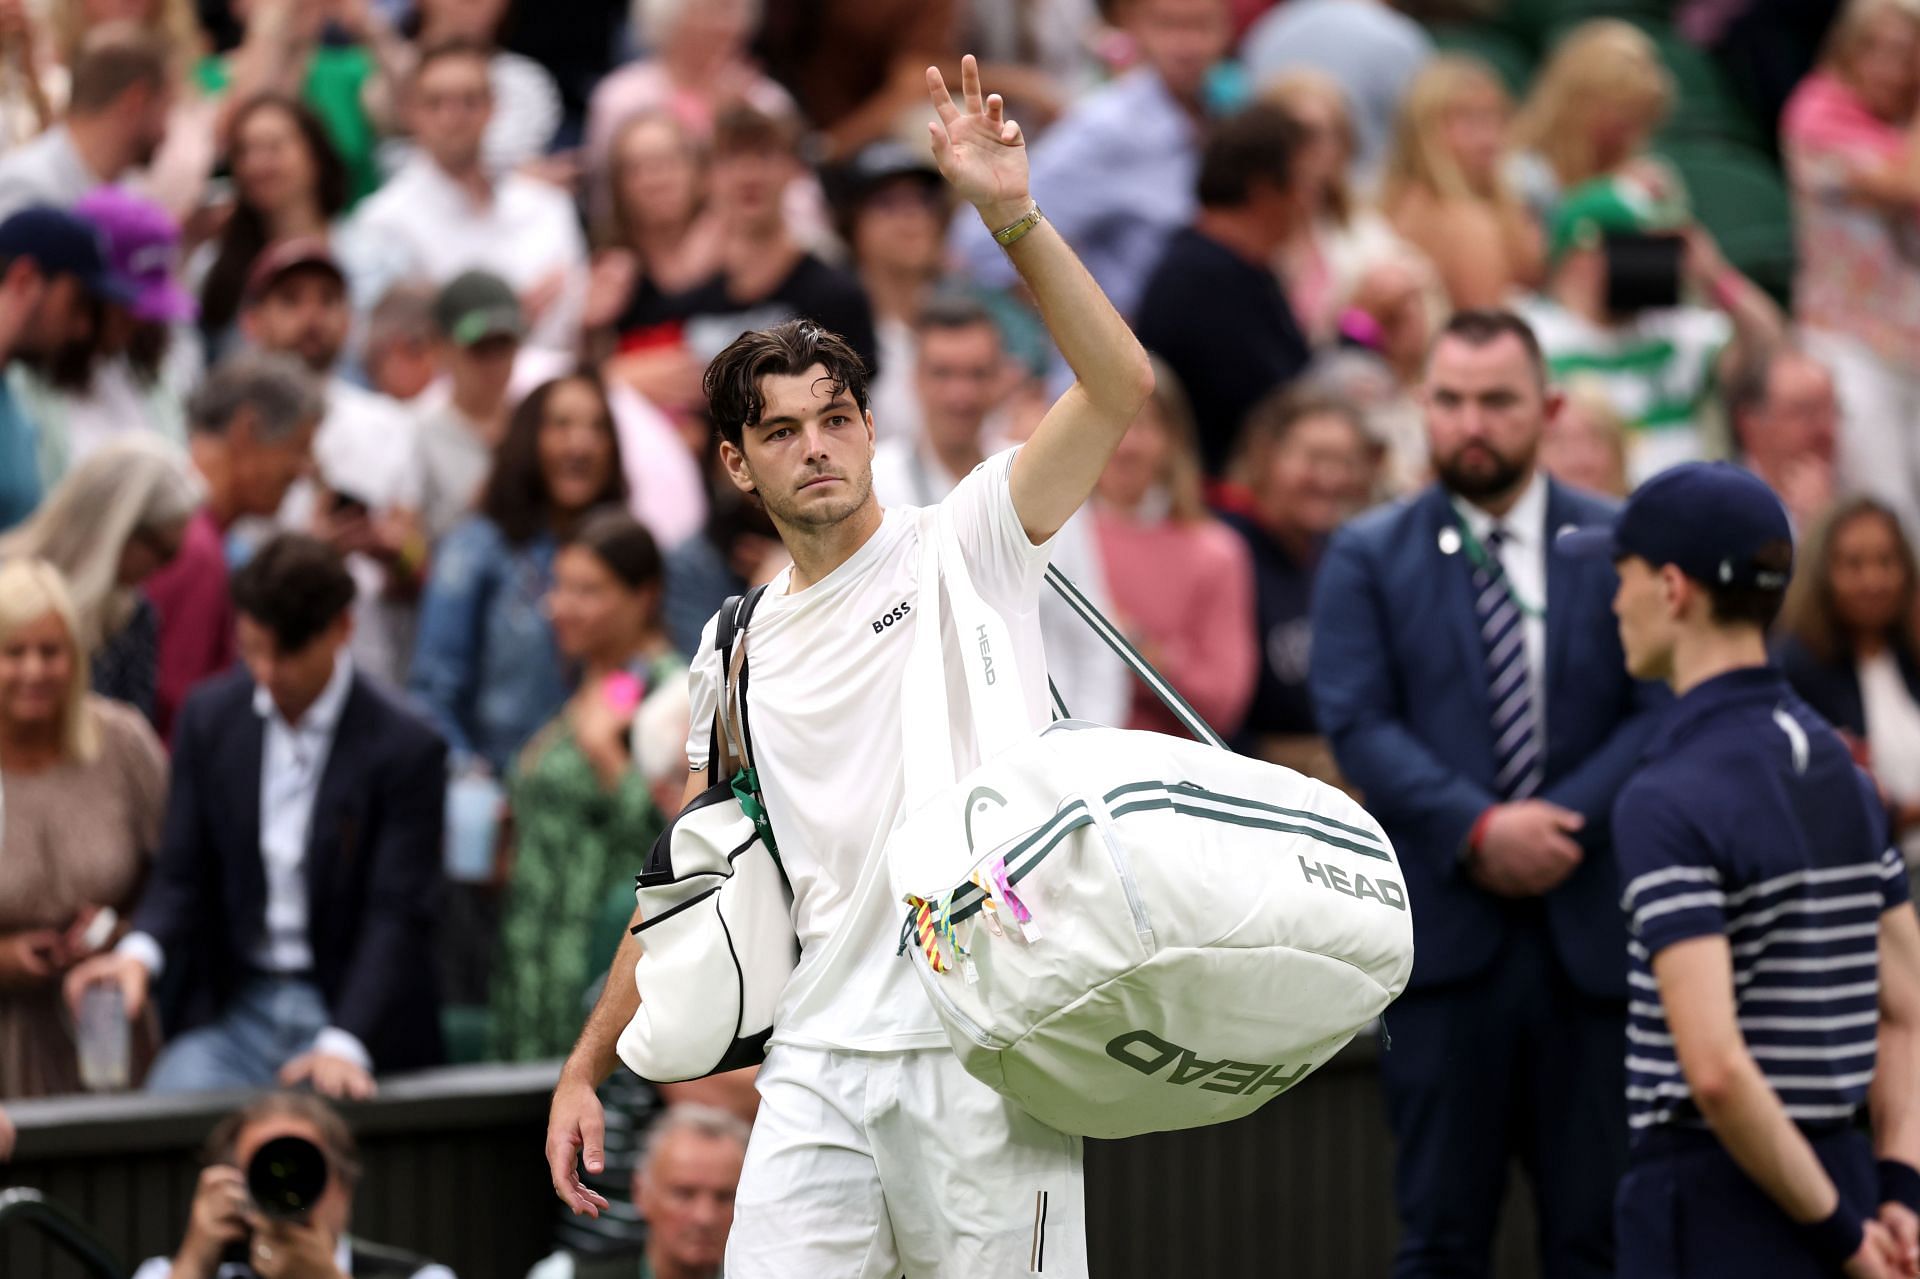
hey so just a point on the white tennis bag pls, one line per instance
(1125, 932)
(716, 927)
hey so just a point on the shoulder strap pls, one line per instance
(731, 733)
(1111, 636)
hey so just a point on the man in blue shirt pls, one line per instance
(51, 261)
(1774, 955)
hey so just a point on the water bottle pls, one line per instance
(105, 1039)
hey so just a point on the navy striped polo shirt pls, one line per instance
(1748, 819)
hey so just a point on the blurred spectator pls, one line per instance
(133, 374)
(116, 520)
(660, 749)
(401, 348)
(765, 274)
(1591, 110)
(858, 67)
(960, 379)
(526, 101)
(1213, 309)
(661, 241)
(51, 266)
(1387, 396)
(1116, 172)
(288, 183)
(364, 451)
(343, 60)
(1849, 139)
(1444, 188)
(895, 220)
(1848, 643)
(176, 177)
(1436, 676)
(580, 806)
(116, 120)
(86, 782)
(486, 666)
(737, 548)
(698, 66)
(1785, 413)
(222, 1219)
(26, 107)
(478, 325)
(1048, 44)
(1584, 445)
(1767, 47)
(1346, 271)
(446, 214)
(1367, 47)
(1182, 582)
(297, 883)
(1303, 456)
(1607, 312)
(250, 436)
(683, 1185)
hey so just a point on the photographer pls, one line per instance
(228, 1236)
(1625, 260)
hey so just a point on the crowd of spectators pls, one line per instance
(354, 458)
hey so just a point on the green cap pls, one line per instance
(478, 305)
(1609, 206)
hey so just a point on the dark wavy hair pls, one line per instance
(732, 381)
(245, 236)
(516, 497)
(296, 586)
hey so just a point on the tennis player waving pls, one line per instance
(875, 1152)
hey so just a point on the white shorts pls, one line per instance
(870, 1166)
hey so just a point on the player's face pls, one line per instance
(1643, 606)
(1486, 410)
(810, 456)
(687, 1198)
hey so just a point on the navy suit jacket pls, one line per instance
(374, 878)
(1398, 687)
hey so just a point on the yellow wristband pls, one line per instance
(1009, 234)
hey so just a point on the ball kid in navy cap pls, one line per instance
(1720, 526)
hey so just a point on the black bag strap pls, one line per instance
(730, 624)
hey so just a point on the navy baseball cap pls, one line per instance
(62, 243)
(1713, 521)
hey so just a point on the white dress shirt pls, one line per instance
(1524, 558)
(524, 233)
(293, 758)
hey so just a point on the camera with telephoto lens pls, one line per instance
(286, 1177)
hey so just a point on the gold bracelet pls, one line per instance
(1010, 234)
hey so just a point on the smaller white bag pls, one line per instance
(716, 930)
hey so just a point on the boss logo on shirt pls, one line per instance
(1149, 1054)
(897, 613)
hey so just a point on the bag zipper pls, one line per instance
(968, 1026)
(1103, 822)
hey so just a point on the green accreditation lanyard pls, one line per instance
(1482, 558)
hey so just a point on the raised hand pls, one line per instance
(979, 150)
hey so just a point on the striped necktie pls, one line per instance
(1518, 767)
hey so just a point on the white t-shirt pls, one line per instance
(824, 682)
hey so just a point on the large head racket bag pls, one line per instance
(1126, 932)
(716, 921)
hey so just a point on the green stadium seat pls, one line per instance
(468, 1031)
(1740, 197)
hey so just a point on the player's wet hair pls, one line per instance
(733, 379)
